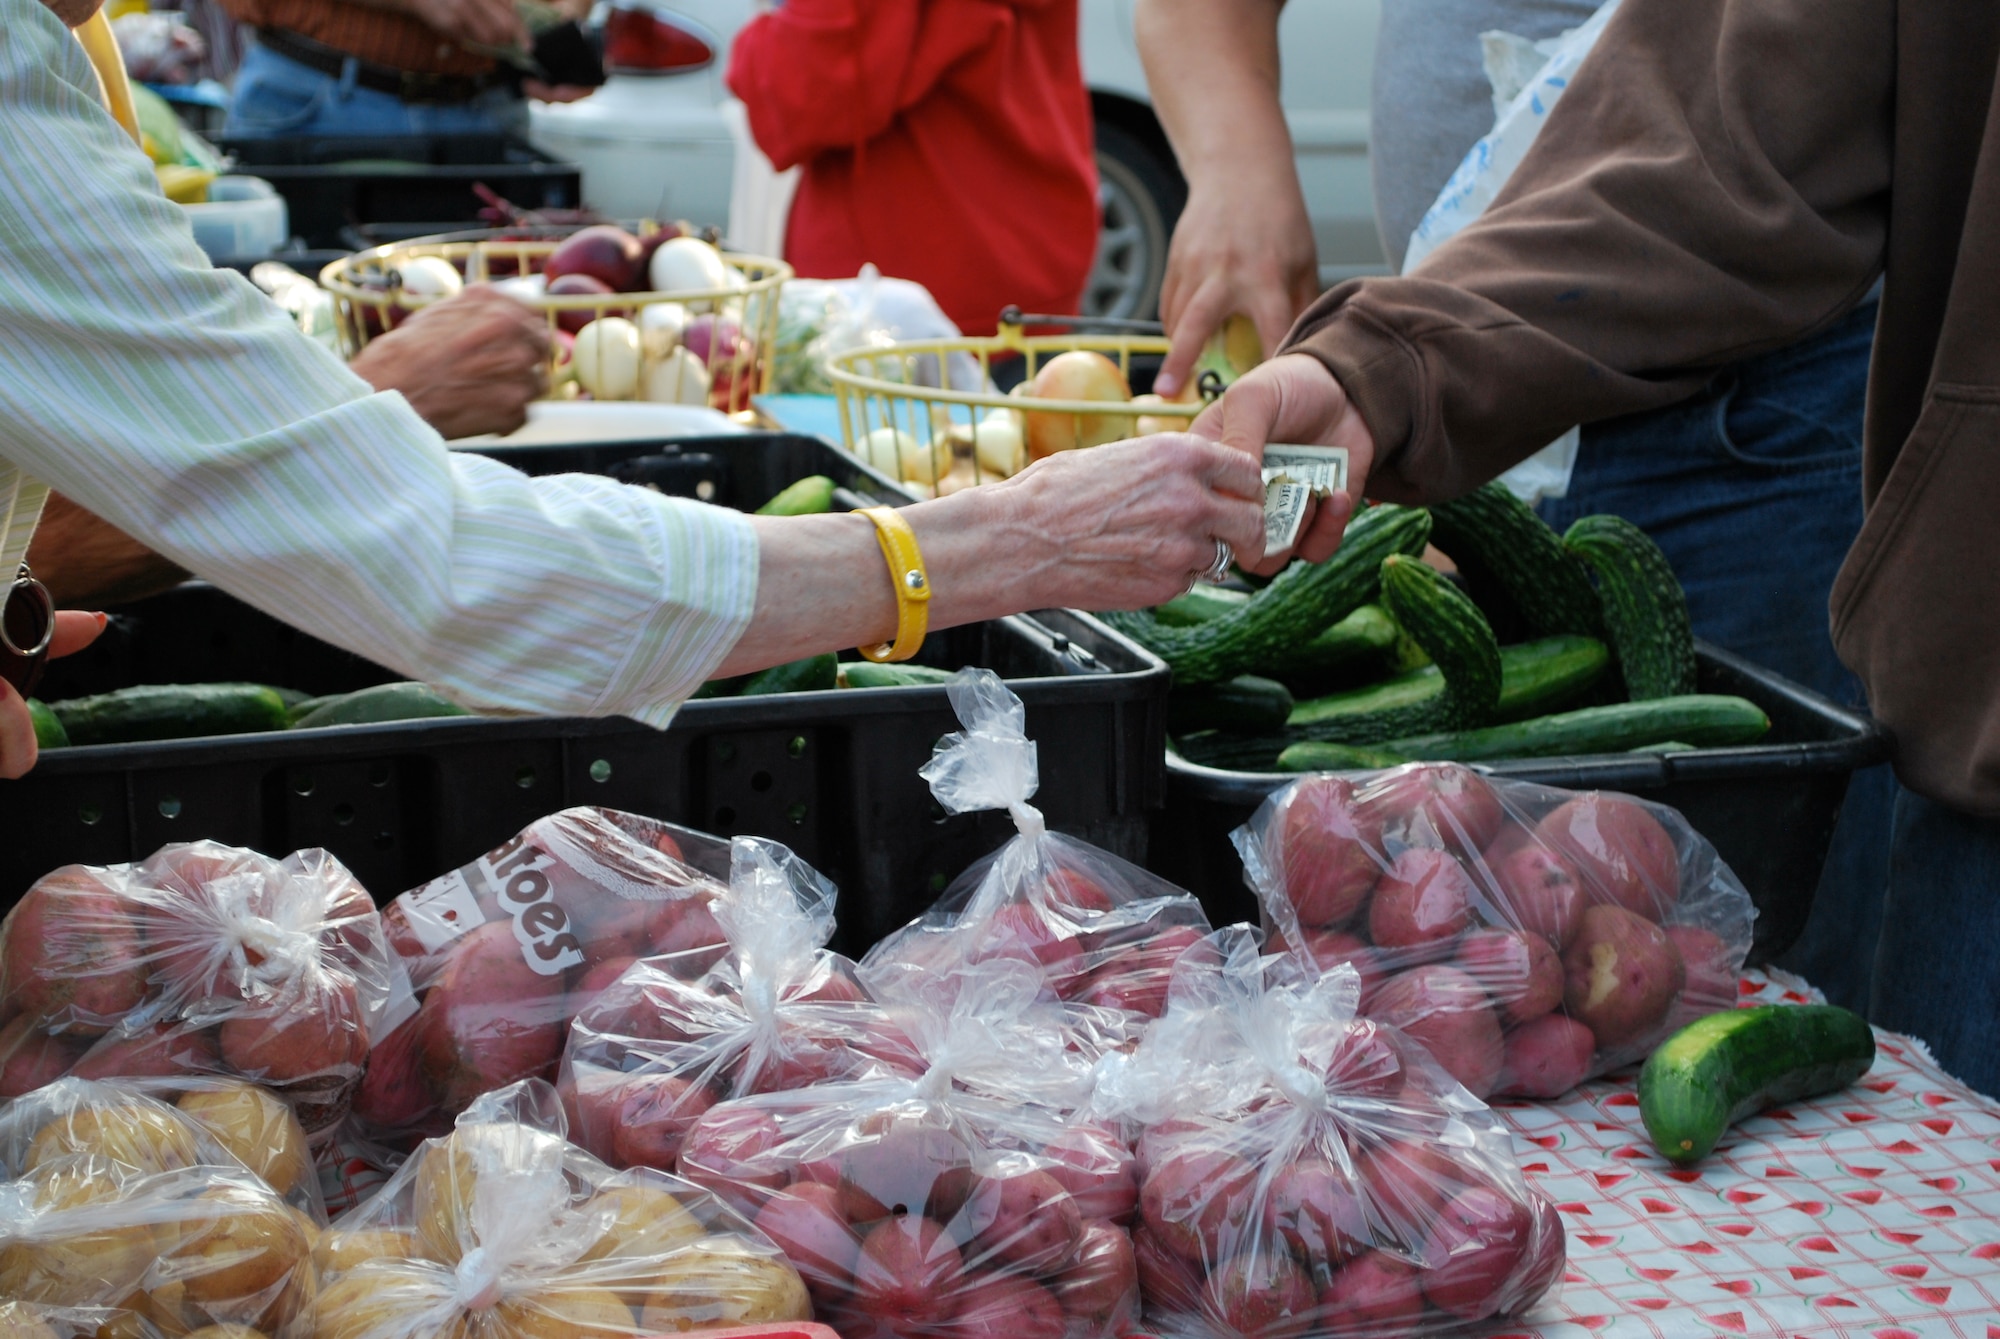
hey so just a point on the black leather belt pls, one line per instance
(409, 85)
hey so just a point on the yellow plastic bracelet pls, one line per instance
(911, 582)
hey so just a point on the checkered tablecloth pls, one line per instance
(1872, 1213)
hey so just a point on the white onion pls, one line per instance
(677, 378)
(919, 463)
(430, 277)
(660, 327)
(883, 449)
(687, 265)
(528, 288)
(998, 444)
(607, 358)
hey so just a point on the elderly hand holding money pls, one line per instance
(1287, 413)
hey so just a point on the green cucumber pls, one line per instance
(1719, 1069)
(170, 711)
(306, 706)
(381, 705)
(1534, 677)
(1368, 637)
(1465, 690)
(1664, 746)
(1246, 704)
(1232, 752)
(810, 496)
(49, 732)
(813, 674)
(1301, 601)
(1318, 755)
(870, 674)
(1200, 605)
(1705, 720)
(1498, 542)
(293, 698)
(1645, 610)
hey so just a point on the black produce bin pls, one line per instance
(1769, 808)
(334, 182)
(832, 774)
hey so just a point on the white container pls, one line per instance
(244, 216)
(573, 423)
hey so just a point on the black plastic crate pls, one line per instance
(335, 182)
(833, 775)
(1769, 808)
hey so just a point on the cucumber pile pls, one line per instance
(1373, 658)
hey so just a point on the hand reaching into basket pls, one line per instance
(468, 365)
(74, 630)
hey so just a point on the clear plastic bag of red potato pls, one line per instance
(202, 959)
(505, 1230)
(661, 1045)
(115, 1201)
(500, 955)
(1102, 931)
(1304, 1170)
(969, 1203)
(1531, 937)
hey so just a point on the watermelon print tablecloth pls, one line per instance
(1872, 1213)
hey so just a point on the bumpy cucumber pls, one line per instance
(1365, 639)
(1719, 1069)
(380, 705)
(1705, 720)
(1645, 609)
(1300, 602)
(1200, 605)
(1246, 704)
(1535, 677)
(170, 711)
(1451, 629)
(1493, 535)
(1318, 755)
(812, 674)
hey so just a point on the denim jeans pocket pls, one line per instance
(275, 96)
(1782, 427)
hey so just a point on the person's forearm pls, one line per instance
(1212, 69)
(87, 563)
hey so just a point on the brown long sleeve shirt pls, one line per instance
(379, 36)
(1722, 178)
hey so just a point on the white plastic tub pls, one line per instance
(244, 216)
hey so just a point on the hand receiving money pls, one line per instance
(1293, 477)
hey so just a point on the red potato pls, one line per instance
(1542, 891)
(166, 1050)
(488, 1020)
(1101, 1284)
(1074, 891)
(1403, 1183)
(1619, 850)
(1327, 949)
(1476, 1246)
(1711, 975)
(71, 953)
(321, 1032)
(1328, 852)
(908, 1273)
(806, 1223)
(1312, 1207)
(733, 1151)
(649, 1118)
(1520, 971)
(1263, 1294)
(1547, 1253)
(797, 1061)
(1438, 805)
(1007, 1308)
(1361, 1060)
(830, 985)
(1546, 1057)
(1424, 898)
(889, 1046)
(1159, 1142)
(1022, 932)
(600, 978)
(1167, 1280)
(693, 939)
(1136, 979)
(1194, 1200)
(1026, 1222)
(1448, 1012)
(393, 1094)
(1512, 837)
(1621, 976)
(904, 1164)
(1376, 1294)
(1092, 1163)
(30, 1058)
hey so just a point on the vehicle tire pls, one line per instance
(1140, 194)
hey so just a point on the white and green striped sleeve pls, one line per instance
(178, 403)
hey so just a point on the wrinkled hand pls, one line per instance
(468, 365)
(487, 22)
(1125, 526)
(1226, 259)
(18, 751)
(1294, 399)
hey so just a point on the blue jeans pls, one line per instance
(1937, 971)
(278, 96)
(1753, 489)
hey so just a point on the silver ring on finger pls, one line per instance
(1218, 571)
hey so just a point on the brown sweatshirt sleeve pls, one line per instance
(1714, 184)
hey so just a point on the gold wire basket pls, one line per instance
(905, 409)
(720, 356)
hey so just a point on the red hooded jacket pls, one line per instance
(947, 141)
